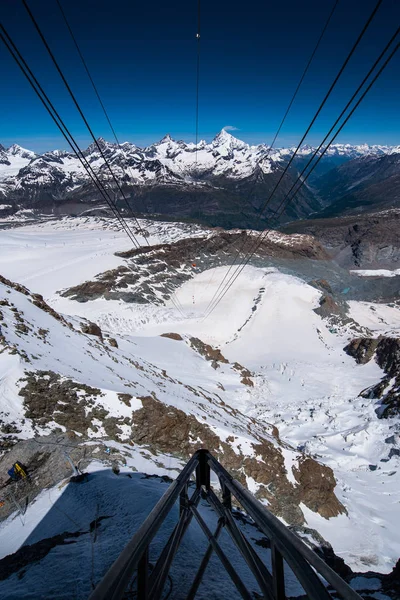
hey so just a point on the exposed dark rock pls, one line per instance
(391, 582)
(92, 329)
(387, 355)
(312, 538)
(328, 307)
(38, 301)
(169, 429)
(212, 354)
(50, 398)
(172, 336)
(125, 398)
(362, 349)
(46, 463)
(245, 373)
(15, 286)
(317, 483)
(367, 241)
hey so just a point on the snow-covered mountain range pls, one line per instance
(214, 180)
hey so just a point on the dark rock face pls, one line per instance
(209, 353)
(387, 355)
(368, 240)
(317, 483)
(321, 284)
(328, 307)
(92, 329)
(391, 582)
(362, 349)
(36, 299)
(173, 336)
(48, 397)
(46, 463)
(312, 538)
(171, 430)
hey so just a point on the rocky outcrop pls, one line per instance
(92, 329)
(47, 464)
(362, 349)
(36, 299)
(366, 241)
(321, 284)
(328, 307)
(173, 336)
(155, 272)
(169, 429)
(317, 484)
(51, 399)
(212, 354)
(386, 351)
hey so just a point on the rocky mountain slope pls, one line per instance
(366, 240)
(386, 352)
(153, 273)
(63, 375)
(366, 184)
(224, 182)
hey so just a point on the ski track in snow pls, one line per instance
(304, 383)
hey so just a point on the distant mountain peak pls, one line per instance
(167, 138)
(227, 140)
(224, 135)
(16, 150)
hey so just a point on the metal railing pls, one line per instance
(305, 564)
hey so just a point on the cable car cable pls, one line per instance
(346, 120)
(41, 35)
(16, 55)
(308, 65)
(322, 104)
(93, 84)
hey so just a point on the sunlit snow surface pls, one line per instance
(304, 383)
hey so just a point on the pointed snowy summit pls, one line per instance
(16, 150)
(224, 138)
(166, 139)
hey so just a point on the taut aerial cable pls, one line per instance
(322, 104)
(262, 234)
(73, 97)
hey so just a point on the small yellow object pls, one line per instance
(19, 470)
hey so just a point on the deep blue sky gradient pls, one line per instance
(142, 56)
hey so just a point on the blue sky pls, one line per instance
(143, 59)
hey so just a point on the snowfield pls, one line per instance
(304, 382)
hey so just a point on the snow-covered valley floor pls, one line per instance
(304, 383)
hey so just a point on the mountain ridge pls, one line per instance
(221, 183)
